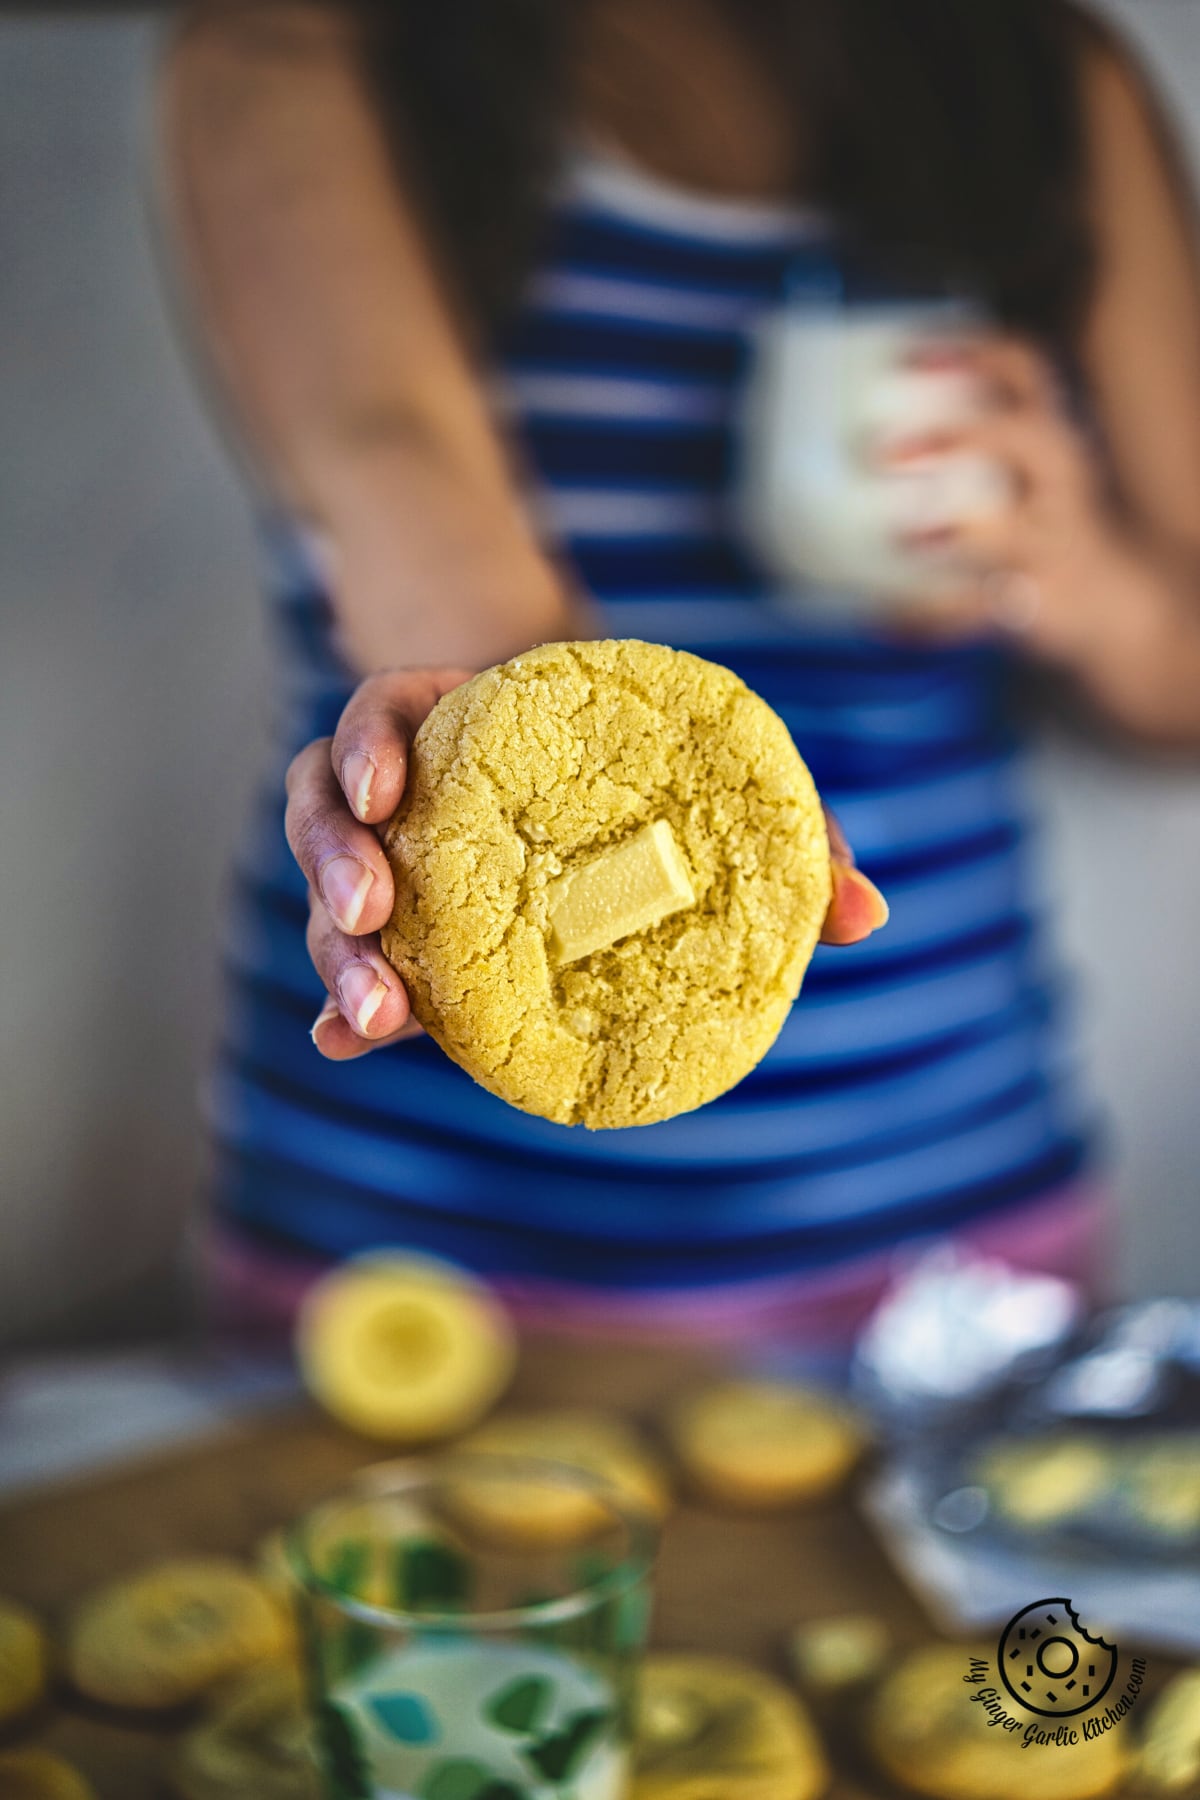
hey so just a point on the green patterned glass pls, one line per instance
(471, 1629)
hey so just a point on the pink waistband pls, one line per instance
(1066, 1233)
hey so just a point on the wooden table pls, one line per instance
(725, 1583)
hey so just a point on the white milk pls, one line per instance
(453, 1682)
(828, 383)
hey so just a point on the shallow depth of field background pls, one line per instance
(133, 682)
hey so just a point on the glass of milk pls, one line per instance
(830, 382)
(472, 1628)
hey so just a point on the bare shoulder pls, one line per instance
(1125, 114)
(221, 56)
(1141, 342)
(267, 29)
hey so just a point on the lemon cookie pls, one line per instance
(404, 1348)
(173, 1631)
(596, 1443)
(36, 1775)
(1036, 1483)
(255, 1741)
(1158, 1486)
(765, 1443)
(707, 1726)
(24, 1660)
(835, 1656)
(1169, 1760)
(929, 1729)
(611, 872)
(273, 1565)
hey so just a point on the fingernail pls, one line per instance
(345, 884)
(329, 1011)
(874, 904)
(358, 772)
(362, 994)
(861, 908)
(940, 356)
(927, 537)
(891, 453)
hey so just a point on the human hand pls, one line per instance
(1040, 567)
(341, 789)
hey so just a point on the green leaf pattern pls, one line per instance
(347, 1771)
(518, 1707)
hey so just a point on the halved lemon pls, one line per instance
(404, 1348)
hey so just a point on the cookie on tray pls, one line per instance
(37, 1775)
(928, 1732)
(840, 1654)
(596, 1443)
(708, 1726)
(1041, 1482)
(765, 1443)
(166, 1635)
(24, 1660)
(256, 1741)
(1169, 1757)
(612, 869)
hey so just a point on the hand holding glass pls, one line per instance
(830, 384)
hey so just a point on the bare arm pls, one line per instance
(1142, 342)
(1095, 564)
(1142, 356)
(323, 315)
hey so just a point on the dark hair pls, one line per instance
(949, 133)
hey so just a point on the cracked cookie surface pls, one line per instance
(541, 769)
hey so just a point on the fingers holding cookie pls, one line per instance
(338, 789)
(857, 907)
(343, 860)
(370, 747)
(367, 1004)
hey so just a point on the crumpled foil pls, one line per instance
(954, 1330)
(1138, 1363)
(1033, 1449)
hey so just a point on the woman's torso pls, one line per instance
(920, 1080)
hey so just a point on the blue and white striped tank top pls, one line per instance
(919, 1083)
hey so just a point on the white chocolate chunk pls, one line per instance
(623, 890)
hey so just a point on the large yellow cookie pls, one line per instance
(256, 1741)
(36, 1775)
(709, 1728)
(765, 1443)
(596, 1443)
(611, 872)
(928, 1730)
(24, 1660)
(169, 1633)
(1169, 1759)
(404, 1348)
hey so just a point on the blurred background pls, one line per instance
(133, 669)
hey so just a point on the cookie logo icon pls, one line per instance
(1051, 1665)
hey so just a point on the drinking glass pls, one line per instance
(830, 382)
(471, 1628)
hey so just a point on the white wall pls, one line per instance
(132, 675)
